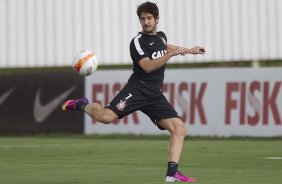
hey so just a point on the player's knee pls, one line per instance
(180, 129)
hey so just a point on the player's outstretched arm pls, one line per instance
(149, 66)
(194, 50)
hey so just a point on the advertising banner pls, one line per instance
(30, 103)
(211, 102)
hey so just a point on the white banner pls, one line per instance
(211, 102)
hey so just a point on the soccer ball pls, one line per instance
(85, 63)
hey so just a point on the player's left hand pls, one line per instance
(197, 50)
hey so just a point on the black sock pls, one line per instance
(171, 168)
(80, 106)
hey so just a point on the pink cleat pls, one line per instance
(179, 177)
(74, 105)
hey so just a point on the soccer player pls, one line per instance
(150, 52)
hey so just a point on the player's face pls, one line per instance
(148, 23)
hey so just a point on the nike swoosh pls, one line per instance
(41, 112)
(152, 43)
(6, 95)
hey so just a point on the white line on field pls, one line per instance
(273, 158)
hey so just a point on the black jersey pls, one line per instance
(143, 90)
(152, 46)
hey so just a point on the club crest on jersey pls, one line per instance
(163, 40)
(158, 54)
(121, 105)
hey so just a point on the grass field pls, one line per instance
(99, 160)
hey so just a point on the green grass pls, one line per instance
(102, 160)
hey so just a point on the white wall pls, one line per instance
(49, 32)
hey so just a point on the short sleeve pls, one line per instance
(163, 36)
(137, 51)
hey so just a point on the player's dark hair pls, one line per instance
(148, 7)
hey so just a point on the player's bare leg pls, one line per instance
(100, 114)
(178, 132)
(94, 110)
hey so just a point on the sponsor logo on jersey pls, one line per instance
(158, 54)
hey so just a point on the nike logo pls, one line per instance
(41, 112)
(152, 43)
(6, 95)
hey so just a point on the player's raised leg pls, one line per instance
(178, 132)
(100, 114)
(94, 110)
